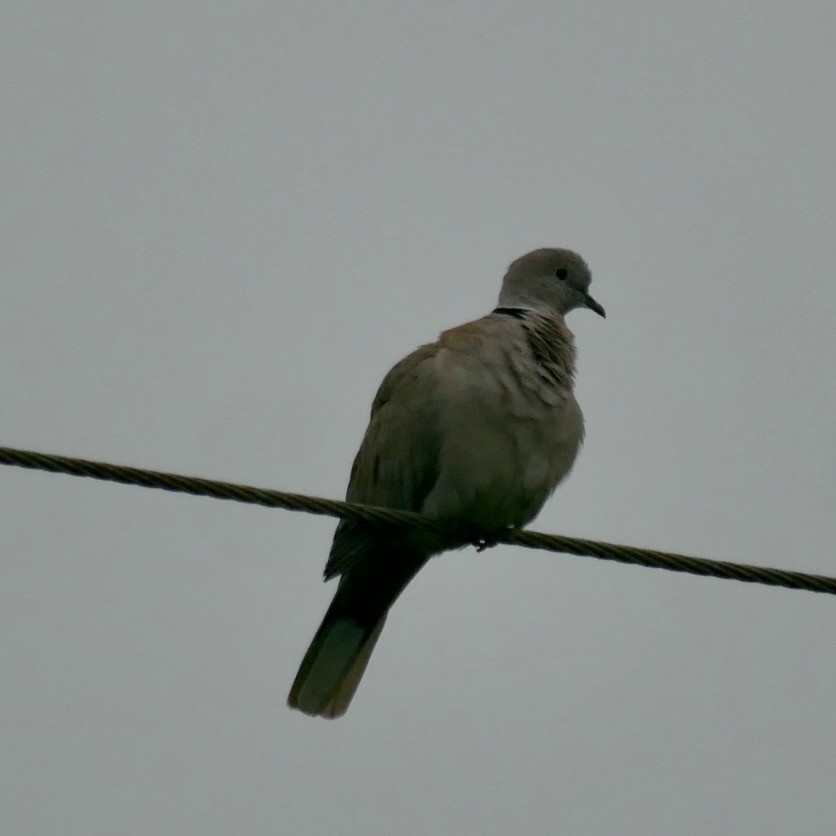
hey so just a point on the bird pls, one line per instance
(475, 431)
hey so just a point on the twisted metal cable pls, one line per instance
(385, 516)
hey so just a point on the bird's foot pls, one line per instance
(485, 540)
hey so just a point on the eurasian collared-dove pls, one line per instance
(475, 430)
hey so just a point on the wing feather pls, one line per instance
(398, 461)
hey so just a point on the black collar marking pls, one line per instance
(517, 313)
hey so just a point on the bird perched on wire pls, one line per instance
(475, 430)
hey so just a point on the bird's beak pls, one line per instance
(593, 305)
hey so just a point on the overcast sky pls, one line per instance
(222, 222)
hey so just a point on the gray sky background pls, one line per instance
(223, 222)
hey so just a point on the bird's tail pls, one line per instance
(333, 666)
(337, 657)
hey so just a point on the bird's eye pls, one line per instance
(561, 272)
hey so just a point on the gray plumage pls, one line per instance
(476, 430)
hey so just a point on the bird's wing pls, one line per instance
(397, 463)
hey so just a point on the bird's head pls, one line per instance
(549, 281)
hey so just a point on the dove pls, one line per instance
(475, 431)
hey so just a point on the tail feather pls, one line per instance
(333, 666)
(337, 657)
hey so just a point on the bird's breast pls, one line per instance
(509, 435)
